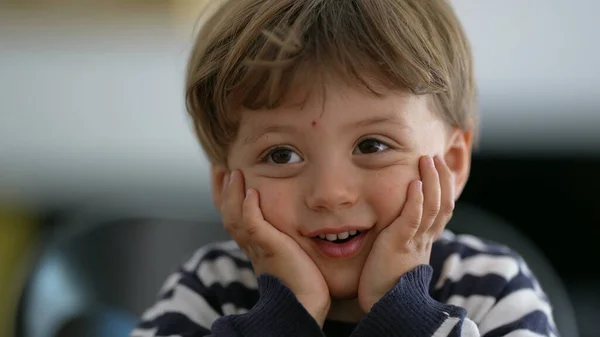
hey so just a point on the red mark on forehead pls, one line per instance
(314, 123)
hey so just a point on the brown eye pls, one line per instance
(370, 146)
(283, 156)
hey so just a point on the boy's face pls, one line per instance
(340, 162)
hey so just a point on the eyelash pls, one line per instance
(266, 156)
(374, 140)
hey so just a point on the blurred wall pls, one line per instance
(92, 100)
(91, 92)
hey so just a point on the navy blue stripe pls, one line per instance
(456, 331)
(236, 293)
(442, 249)
(172, 323)
(520, 281)
(486, 285)
(192, 282)
(535, 321)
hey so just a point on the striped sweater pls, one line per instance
(471, 287)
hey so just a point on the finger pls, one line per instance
(231, 206)
(447, 196)
(259, 233)
(407, 224)
(432, 193)
(225, 182)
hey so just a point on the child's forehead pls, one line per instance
(313, 90)
(350, 107)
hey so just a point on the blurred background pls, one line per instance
(103, 188)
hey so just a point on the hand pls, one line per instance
(271, 251)
(406, 243)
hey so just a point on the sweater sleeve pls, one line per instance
(488, 294)
(216, 294)
(277, 313)
(408, 310)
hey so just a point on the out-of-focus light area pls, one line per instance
(92, 98)
(93, 129)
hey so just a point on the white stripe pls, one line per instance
(231, 309)
(512, 308)
(476, 243)
(232, 248)
(227, 246)
(469, 329)
(477, 306)
(472, 242)
(446, 235)
(185, 302)
(446, 327)
(143, 333)
(148, 333)
(224, 271)
(479, 265)
(170, 283)
(192, 263)
(523, 333)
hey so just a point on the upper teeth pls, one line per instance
(340, 236)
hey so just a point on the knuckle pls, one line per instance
(421, 245)
(268, 253)
(414, 222)
(447, 209)
(251, 230)
(433, 212)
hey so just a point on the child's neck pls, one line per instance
(345, 311)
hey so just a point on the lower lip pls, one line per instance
(341, 250)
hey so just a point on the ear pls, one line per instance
(458, 158)
(217, 176)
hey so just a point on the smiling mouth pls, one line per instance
(341, 245)
(340, 237)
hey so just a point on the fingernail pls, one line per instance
(419, 185)
(248, 192)
(232, 176)
(226, 179)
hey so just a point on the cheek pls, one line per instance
(388, 190)
(276, 203)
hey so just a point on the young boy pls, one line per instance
(340, 135)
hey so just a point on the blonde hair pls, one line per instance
(249, 53)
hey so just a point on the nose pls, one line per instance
(332, 189)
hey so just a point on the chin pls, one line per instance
(342, 284)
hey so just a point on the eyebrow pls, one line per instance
(269, 129)
(378, 120)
